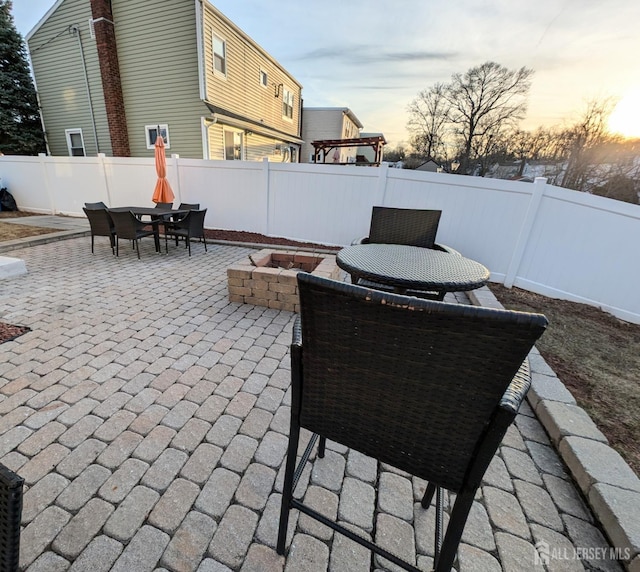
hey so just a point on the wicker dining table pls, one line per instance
(405, 269)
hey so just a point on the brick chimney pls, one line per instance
(110, 74)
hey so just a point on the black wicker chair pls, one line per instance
(10, 515)
(128, 226)
(101, 224)
(412, 227)
(164, 205)
(95, 206)
(168, 222)
(427, 387)
(191, 226)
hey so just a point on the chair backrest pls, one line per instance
(411, 382)
(413, 227)
(126, 224)
(194, 221)
(164, 205)
(95, 206)
(100, 221)
(190, 206)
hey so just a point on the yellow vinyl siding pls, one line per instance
(158, 58)
(58, 68)
(241, 92)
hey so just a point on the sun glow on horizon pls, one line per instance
(625, 118)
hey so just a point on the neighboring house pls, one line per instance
(111, 73)
(430, 166)
(329, 123)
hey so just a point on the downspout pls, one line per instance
(74, 30)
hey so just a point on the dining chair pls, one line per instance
(164, 205)
(189, 206)
(191, 226)
(411, 227)
(11, 489)
(95, 206)
(183, 206)
(427, 387)
(101, 224)
(129, 226)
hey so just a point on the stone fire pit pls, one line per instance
(268, 277)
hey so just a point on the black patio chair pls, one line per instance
(101, 224)
(412, 227)
(424, 386)
(164, 205)
(177, 217)
(129, 226)
(191, 226)
(95, 206)
(11, 486)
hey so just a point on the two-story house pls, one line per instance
(329, 123)
(110, 74)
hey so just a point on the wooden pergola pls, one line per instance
(325, 146)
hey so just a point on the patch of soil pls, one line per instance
(256, 238)
(597, 357)
(10, 231)
(9, 332)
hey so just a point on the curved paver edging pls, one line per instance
(609, 485)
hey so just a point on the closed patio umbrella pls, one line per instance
(162, 192)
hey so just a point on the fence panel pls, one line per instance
(574, 246)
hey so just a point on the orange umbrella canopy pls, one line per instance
(162, 192)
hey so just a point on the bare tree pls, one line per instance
(485, 100)
(588, 146)
(428, 114)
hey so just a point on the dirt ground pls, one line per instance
(595, 355)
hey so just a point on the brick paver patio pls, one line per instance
(148, 416)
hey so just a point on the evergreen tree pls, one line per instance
(20, 126)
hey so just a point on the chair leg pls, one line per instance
(457, 520)
(117, 247)
(204, 239)
(188, 241)
(91, 244)
(287, 489)
(321, 446)
(137, 248)
(428, 495)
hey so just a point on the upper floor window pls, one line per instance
(264, 80)
(151, 133)
(287, 103)
(219, 56)
(75, 142)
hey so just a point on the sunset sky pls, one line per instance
(374, 57)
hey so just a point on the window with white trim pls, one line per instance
(264, 79)
(233, 145)
(151, 134)
(75, 143)
(219, 56)
(287, 103)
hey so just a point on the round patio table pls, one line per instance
(412, 268)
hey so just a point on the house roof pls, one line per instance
(43, 19)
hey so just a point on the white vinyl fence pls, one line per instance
(545, 239)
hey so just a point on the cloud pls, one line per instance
(372, 54)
